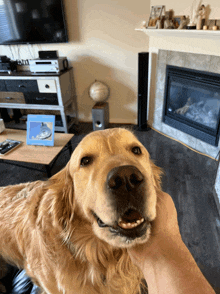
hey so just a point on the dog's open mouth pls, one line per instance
(131, 224)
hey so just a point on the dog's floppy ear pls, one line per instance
(63, 202)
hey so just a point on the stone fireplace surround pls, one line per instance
(188, 60)
(203, 62)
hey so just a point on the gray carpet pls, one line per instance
(189, 179)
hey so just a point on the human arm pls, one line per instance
(165, 261)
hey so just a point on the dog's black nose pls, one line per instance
(126, 178)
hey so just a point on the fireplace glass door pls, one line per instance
(192, 103)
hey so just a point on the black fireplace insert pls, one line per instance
(192, 102)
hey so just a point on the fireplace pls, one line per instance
(164, 110)
(192, 102)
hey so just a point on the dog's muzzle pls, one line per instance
(126, 189)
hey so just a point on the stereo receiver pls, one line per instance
(48, 65)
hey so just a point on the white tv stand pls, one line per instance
(41, 91)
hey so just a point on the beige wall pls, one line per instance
(103, 45)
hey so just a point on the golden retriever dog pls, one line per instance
(71, 233)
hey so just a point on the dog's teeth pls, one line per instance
(140, 221)
(125, 225)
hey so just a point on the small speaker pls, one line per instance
(143, 63)
(48, 54)
(100, 116)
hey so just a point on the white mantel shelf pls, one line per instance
(209, 34)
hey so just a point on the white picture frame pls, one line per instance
(155, 15)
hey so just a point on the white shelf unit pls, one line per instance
(51, 91)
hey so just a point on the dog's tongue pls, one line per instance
(131, 219)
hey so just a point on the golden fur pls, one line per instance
(48, 228)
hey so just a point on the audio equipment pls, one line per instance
(143, 63)
(48, 65)
(48, 54)
(100, 116)
(7, 65)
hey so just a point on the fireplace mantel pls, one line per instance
(209, 34)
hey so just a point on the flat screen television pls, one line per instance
(32, 22)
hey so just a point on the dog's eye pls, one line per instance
(86, 161)
(136, 150)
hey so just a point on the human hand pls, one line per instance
(164, 228)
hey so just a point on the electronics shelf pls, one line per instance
(41, 91)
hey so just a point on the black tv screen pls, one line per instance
(32, 22)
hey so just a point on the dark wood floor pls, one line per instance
(189, 179)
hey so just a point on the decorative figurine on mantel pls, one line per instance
(194, 16)
(168, 23)
(144, 24)
(201, 18)
(183, 23)
(214, 28)
(99, 92)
